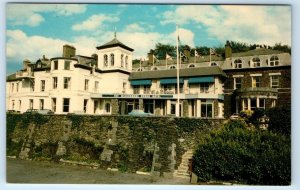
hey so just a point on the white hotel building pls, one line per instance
(106, 84)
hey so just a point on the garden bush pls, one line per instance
(244, 155)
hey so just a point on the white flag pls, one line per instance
(212, 51)
(196, 54)
(168, 57)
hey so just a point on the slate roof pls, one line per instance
(186, 72)
(259, 51)
(114, 43)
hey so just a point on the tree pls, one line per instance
(161, 50)
(280, 120)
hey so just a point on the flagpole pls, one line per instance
(166, 61)
(177, 105)
(153, 60)
(195, 56)
(209, 56)
(141, 64)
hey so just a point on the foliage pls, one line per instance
(280, 120)
(13, 148)
(87, 148)
(236, 153)
(47, 150)
(161, 50)
(77, 120)
(190, 124)
(255, 117)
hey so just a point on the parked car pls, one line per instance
(39, 111)
(139, 113)
(234, 116)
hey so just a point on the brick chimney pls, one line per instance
(150, 56)
(228, 50)
(68, 51)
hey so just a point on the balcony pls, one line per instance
(22, 74)
(259, 91)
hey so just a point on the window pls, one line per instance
(20, 105)
(42, 85)
(12, 87)
(237, 83)
(206, 109)
(66, 104)
(13, 104)
(213, 64)
(256, 62)
(172, 67)
(146, 89)
(107, 107)
(67, 65)
(67, 82)
(17, 87)
(274, 81)
(140, 69)
(191, 65)
(96, 86)
(136, 89)
(85, 101)
(124, 87)
(154, 68)
(54, 104)
(112, 59)
(122, 60)
(274, 61)
(238, 64)
(54, 79)
(41, 104)
(173, 108)
(126, 61)
(55, 65)
(262, 103)
(256, 80)
(32, 86)
(245, 104)
(253, 104)
(30, 103)
(105, 60)
(204, 87)
(86, 84)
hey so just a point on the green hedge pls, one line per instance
(238, 154)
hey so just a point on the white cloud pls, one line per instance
(134, 28)
(31, 14)
(250, 24)
(94, 22)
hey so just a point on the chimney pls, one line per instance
(187, 52)
(68, 51)
(150, 56)
(26, 66)
(228, 50)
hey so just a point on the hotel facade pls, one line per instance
(107, 83)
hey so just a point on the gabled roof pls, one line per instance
(186, 72)
(114, 43)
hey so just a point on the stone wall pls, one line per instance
(123, 142)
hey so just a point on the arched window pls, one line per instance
(105, 60)
(140, 69)
(256, 62)
(274, 61)
(238, 63)
(112, 59)
(154, 68)
(107, 107)
(122, 60)
(172, 67)
(126, 61)
(191, 65)
(213, 64)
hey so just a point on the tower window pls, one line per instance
(112, 59)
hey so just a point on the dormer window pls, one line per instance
(172, 67)
(105, 60)
(274, 61)
(213, 64)
(238, 64)
(126, 61)
(140, 69)
(112, 59)
(191, 66)
(256, 62)
(154, 68)
(122, 60)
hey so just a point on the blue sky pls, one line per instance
(34, 30)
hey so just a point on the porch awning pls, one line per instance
(140, 82)
(171, 81)
(194, 80)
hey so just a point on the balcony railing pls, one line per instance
(24, 74)
(258, 89)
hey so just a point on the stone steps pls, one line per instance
(182, 171)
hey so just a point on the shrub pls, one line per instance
(280, 120)
(236, 153)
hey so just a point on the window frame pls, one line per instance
(274, 61)
(66, 105)
(67, 65)
(43, 85)
(54, 81)
(67, 82)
